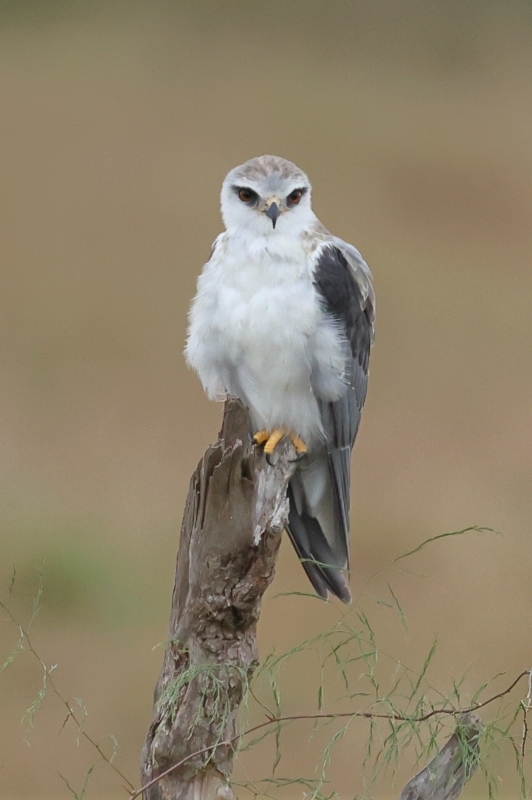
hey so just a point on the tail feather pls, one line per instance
(315, 553)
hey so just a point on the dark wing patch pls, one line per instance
(342, 298)
(319, 528)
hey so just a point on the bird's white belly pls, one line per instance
(264, 338)
(258, 331)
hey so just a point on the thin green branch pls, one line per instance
(470, 529)
(49, 681)
(393, 717)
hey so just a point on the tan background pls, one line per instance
(118, 123)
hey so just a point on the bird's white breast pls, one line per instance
(256, 326)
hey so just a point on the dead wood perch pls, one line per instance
(235, 513)
(234, 516)
(448, 772)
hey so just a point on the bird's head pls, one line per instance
(267, 196)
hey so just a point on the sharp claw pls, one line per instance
(299, 457)
(272, 459)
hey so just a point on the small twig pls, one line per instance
(363, 714)
(71, 713)
(526, 705)
(470, 529)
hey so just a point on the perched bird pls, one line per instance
(283, 319)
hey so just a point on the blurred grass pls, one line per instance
(119, 122)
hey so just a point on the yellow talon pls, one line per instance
(273, 440)
(270, 440)
(261, 437)
(298, 443)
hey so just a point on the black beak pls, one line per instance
(273, 213)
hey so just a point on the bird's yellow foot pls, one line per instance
(298, 443)
(270, 440)
(261, 436)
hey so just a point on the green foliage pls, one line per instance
(79, 795)
(212, 681)
(470, 529)
(74, 707)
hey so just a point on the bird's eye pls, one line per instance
(247, 195)
(295, 196)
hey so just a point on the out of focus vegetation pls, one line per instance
(119, 122)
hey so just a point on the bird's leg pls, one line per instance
(270, 440)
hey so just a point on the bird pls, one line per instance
(284, 319)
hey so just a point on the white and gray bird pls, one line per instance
(283, 319)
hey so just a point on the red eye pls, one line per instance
(247, 195)
(295, 197)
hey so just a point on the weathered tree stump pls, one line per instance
(234, 516)
(235, 513)
(448, 772)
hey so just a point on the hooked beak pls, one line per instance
(273, 212)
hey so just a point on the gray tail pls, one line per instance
(314, 551)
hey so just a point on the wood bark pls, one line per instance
(234, 517)
(448, 772)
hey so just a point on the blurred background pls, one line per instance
(119, 121)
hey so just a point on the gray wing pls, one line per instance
(344, 281)
(319, 491)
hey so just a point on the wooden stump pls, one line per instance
(235, 513)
